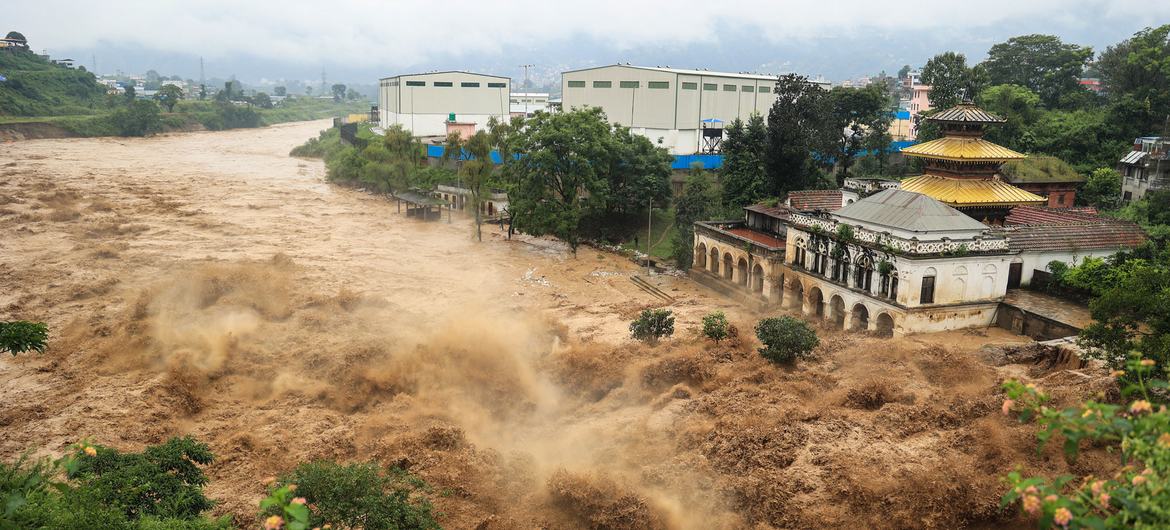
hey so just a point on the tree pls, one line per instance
(1136, 75)
(139, 118)
(794, 130)
(785, 339)
(131, 93)
(168, 96)
(1041, 63)
(280, 91)
(392, 164)
(697, 203)
(558, 180)
(162, 481)
(636, 172)
(338, 92)
(743, 172)
(715, 326)
(477, 176)
(362, 496)
(202, 92)
(652, 324)
(262, 100)
(1019, 106)
(308, 90)
(904, 71)
(20, 336)
(853, 115)
(950, 79)
(1102, 189)
(352, 95)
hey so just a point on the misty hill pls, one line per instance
(34, 86)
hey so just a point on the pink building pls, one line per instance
(919, 99)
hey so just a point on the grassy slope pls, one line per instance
(36, 87)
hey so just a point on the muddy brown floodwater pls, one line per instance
(208, 284)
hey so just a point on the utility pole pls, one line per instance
(93, 62)
(322, 81)
(526, 67)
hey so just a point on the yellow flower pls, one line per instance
(1164, 439)
(1007, 406)
(274, 522)
(89, 450)
(1096, 486)
(1140, 406)
(1062, 516)
(1118, 373)
(1032, 504)
(1087, 413)
(298, 500)
(1138, 480)
(1148, 362)
(292, 487)
(1105, 499)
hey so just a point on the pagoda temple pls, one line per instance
(962, 169)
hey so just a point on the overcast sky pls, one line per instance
(362, 40)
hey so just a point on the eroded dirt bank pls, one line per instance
(206, 283)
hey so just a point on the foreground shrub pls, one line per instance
(785, 339)
(715, 326)
(1137, 495)
(139, 118)
(353, 496)
(653, 324)
(160, 488)
(20, 336)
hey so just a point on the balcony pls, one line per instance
(901, 245)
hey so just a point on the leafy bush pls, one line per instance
(715, 326)
(653, 324)
(162, 481)
(109, 490)
(356, 496)
(139, 118)
(20, 336)
(1137, 495)
(785, 339)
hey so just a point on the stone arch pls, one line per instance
(885, 325)
(988, 286)
(777, 290)
(816, 302)
(728, 266)
(701, 255)
(715, 261)
(863, 273)
(837, 311)
(795, 294)
(758, 279)
(860, 319)
(989, 269)
(960, 270)
(741, 272)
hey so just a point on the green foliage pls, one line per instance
(390, 165)
(262, 100)
(795, 129)
(20, 336)
(1020, 107)
(950, 79)
(845, 233)
(1135, 496)
(37, 87)
(137, 118)
(108, 490)
(1042, 63)
(853, 117)
(1136, 73)
(327, 142)
(162, 481)
(715, 326)
(697, 202)
(292, 512)
(785, 339)
(652, 325)
(355, 496)
(477, 176)
(743, 172)
(169, 96)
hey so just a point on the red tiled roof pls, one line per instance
(780, 211)
(758, 237)
(808, 200)
(1105, 235)
(1033, 215)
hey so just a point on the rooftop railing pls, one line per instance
(898, 244)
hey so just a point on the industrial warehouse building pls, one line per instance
(425, 103)
(669, 105)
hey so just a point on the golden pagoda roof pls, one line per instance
(970, 192)
(962, 149)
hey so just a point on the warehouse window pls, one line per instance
(729, 88)
(576, 84)
(512, 101)
(629, 84)
(602, 84)
(710, 86)
(416, 83)
(444, 84)
(467, 84)
(748, 88)
(690, 86)
(764, 90)
(658, 84)
(497, 85)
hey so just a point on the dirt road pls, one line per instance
(207, 283)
